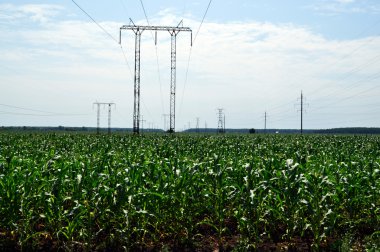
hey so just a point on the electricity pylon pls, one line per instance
(110, 104)
(221, 121)
(302, 109)
(265, 122)
(138, 30)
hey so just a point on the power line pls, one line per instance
(126, 60)
(121, 46)
(146, 108)
(350, 73)
(186, 78)
(345, 56)
(138, 30)
(221, 121)
(109, 104)
(124, 7)
(146, 16)
(158, 64)
(109, 35)
(189, 58)
(35, 110)
(47, 113)
(114, 39)
(374, 77)
(43, 115)
(101, 27)
(204, 16)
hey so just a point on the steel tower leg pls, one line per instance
(173, 80)
(301, 112)
(109, 118)
(136, 105)
(98, 119)
(220, 121)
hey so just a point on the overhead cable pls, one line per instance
(101, 27)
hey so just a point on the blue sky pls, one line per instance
(248, 57)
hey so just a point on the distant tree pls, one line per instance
(252, 131)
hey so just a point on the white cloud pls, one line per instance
(345, 1)
(336, 7)
(246, 68)
(41, 13)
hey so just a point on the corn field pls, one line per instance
(87, 192)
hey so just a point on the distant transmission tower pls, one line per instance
(221, 121)
(109, 116)
(138, 30)
(109, 104)
(302, 109)
(265, 122)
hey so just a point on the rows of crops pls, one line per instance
(88, 192)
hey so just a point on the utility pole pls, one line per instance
(221, 120)
(265, 123)
(205, 127)
(98, 115)
(138, 30)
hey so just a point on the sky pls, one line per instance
(248, 57)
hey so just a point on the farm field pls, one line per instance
(189, 192)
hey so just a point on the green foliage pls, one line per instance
(88, 192)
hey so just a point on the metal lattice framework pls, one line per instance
(138, 30)
(98, 104)
(221, 121)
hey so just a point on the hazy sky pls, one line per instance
(250, 56)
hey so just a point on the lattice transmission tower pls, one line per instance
(138, 30)
(98, 104)
(221, 121)
(302, 108)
